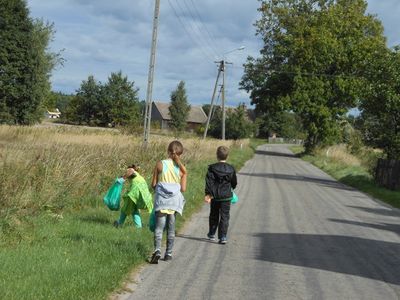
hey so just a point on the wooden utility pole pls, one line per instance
(224, 63)
(212, 100)
(149, 101)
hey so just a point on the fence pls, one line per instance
(388, 173)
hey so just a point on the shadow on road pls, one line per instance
(272, 153)
(378, 260)
(183, 236)
(318, 180)
(381, 226)
(378, 211)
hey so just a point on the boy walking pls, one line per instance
(220, 180)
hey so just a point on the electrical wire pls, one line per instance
(207, 35)
(213, 40)
(208, 59)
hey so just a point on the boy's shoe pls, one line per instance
(211, 237)
(223, 240)
(116, 224)
(155, 257)
(167, 257)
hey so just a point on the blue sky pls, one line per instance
(100, 37)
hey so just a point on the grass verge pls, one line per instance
(356, 176)
(75, 252)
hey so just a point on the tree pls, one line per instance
(215, 128)
(314, 62)
(381, 105)
(87, 107)
(25, 63)
(179, 108)
(238, 125)
(121, 100)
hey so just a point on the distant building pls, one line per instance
(53, 114)
(160, 113)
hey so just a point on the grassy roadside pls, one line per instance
(356, 176)
(75, 252)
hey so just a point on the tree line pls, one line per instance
(320, 59)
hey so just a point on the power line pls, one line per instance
(213, 40)
(208, 58)
(208, 41)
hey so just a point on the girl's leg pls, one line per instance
(122, 218)
(170, 234)
(158, 232)
(137, 220)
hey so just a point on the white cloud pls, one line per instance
(100, 37)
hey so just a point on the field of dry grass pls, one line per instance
(67, 167)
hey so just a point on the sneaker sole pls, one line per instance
(155, 258)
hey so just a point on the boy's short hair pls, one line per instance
(175, 147)
(222, 152)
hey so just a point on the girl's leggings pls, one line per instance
(137, 220)
(163, 220)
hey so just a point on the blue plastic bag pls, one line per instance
(113, 197)
(152, 221)
(235, 198)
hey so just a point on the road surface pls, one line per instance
(295, 233)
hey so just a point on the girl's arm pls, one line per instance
(157, 170)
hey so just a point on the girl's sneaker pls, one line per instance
(167, 257)
(155, 257)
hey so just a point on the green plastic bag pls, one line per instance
(235, 198)
(113, 197)
(152, 221)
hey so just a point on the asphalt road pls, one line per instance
(295, 233)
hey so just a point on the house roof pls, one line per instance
(196, 113)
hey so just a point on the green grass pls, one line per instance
(355, 176)
(77, 253)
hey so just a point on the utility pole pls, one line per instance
(224, 63)
(212, 99)
(149, 101)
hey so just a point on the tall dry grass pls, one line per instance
(58, 168)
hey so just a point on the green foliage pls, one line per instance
(284, 124)
(381, 105)
(215, 127)
(238, 125)
(314, 62)
(179, 108)
(25, 63)
(115, 103)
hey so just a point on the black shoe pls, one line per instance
(223, 240)
(155, 257)
(211, 237)
(167, 257)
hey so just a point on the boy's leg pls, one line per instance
(170, 234)
(224, 222)
(214, 217)
(137, 220)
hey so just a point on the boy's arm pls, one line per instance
(208, 190)
(157, 170)
(234, 180)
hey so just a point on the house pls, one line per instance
(160, 113)
(53, 114)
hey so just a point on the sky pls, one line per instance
(100, 37)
